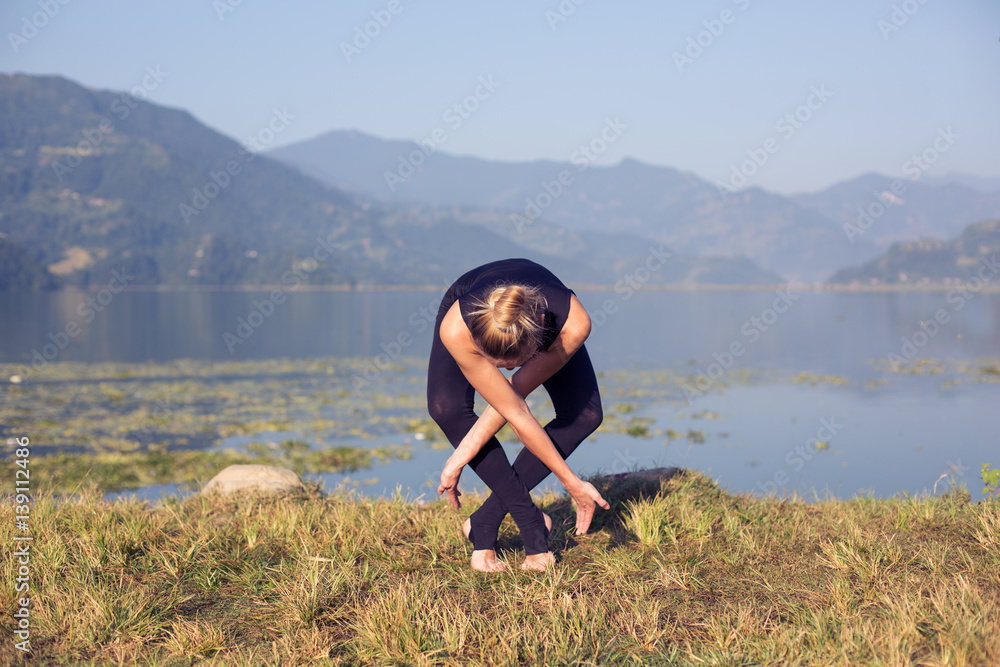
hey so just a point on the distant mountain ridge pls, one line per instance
(801, 237)
(972, 254)
(165, 200)
(885, 211)
(657, 203)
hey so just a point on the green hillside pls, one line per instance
(972, 254)
(94, 183)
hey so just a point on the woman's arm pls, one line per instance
(498, 392)
(529, 377)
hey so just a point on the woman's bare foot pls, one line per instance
(484, 560)
(538, 562)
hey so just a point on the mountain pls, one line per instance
(21, 268)
(94, 185)
(972, 254)
(970, 181)
(93, 182)
(884, 211)
(656, 203)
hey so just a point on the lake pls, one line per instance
(781, 391)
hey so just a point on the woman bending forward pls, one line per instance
(513, 313)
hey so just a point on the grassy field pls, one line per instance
(678, 572)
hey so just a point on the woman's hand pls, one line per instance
(587, 498)
(449, 482)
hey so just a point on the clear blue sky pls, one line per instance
(890, 92)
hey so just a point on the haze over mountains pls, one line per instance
(801, 237)
(94, 181)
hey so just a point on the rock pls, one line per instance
(650, 475)
(655, 474)
(265, 479)
(15, 379)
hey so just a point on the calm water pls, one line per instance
(900, 437)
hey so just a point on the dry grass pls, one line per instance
(676, 573)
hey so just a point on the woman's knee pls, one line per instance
(446, 411)
(591, 416)
(583, 419)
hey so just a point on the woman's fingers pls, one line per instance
(453, 494)
(449, 485)
(602, 502)
(586, 506)
(584, 515)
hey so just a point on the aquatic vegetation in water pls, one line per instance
(638, 427)
(814, 379)
(981, 370)
(144, 410)
(991, 477)
(696, 437)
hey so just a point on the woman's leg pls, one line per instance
(450, 401)
(577, 402)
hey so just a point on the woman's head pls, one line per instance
(506, 326)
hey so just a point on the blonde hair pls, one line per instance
(506, 326)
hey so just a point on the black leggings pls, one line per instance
(450, 401)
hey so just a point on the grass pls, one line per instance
(113, 471)
(677, 572)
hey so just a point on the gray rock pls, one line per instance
(656, 474)
(264, 479)
(649, 475)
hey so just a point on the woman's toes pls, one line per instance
(487, 561)
(539, 562)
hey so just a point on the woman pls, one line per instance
(513, 313)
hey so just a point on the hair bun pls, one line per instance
(506, 323)
(508, 305)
